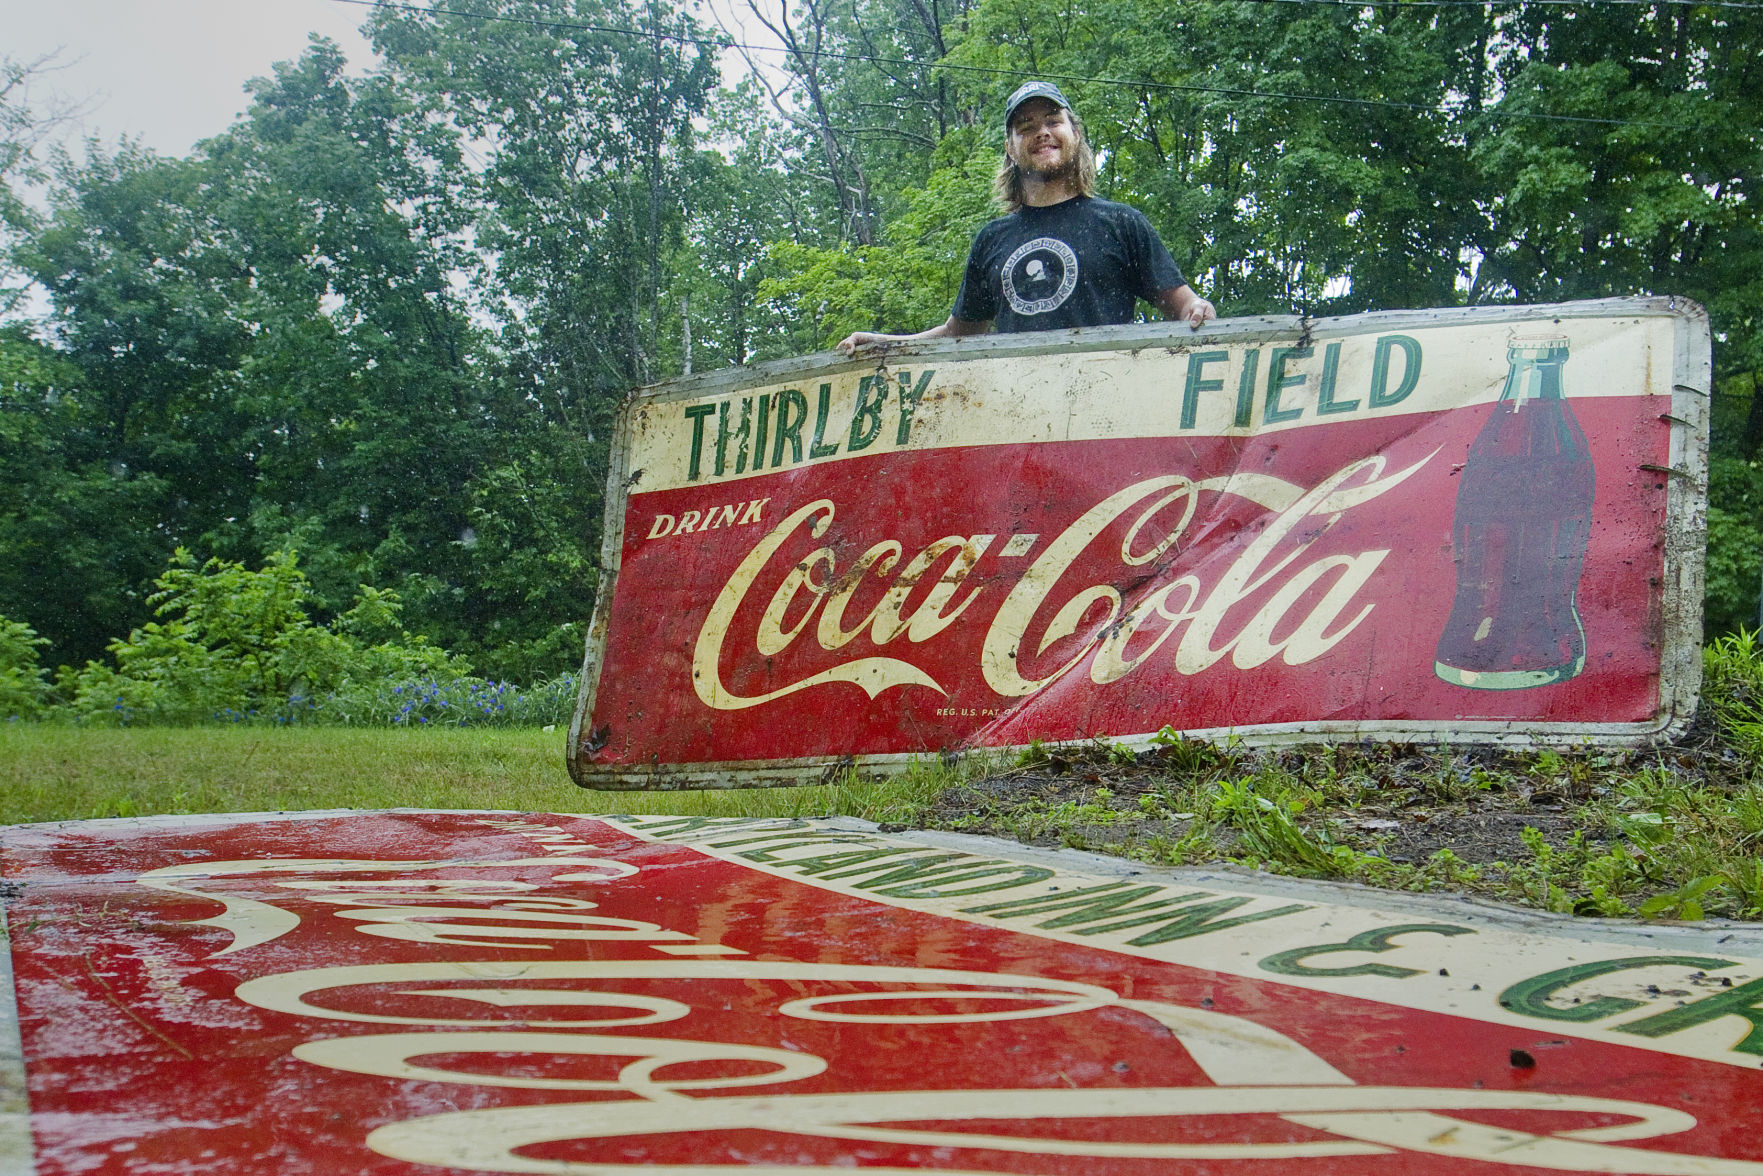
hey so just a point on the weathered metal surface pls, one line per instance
(392, 993)
(1280, 529)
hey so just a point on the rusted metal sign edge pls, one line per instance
(16, 1157)
(1135, 336)
(1681, 592)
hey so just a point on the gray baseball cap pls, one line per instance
(1029, 90)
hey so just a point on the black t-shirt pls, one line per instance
(1079, 263)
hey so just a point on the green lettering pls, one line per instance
(1086, 906)
(696, 414)
(1015, 875)
(1380, 370)
(794, 839)
(760, 431)
(673, 826)
(1246, 389)
(909, 398)
(1278, 381)
(1325, 401)
(1741, 1000)
(816, 449)
(1201, 920)
(1177, 919)
(833, 861)
(1190, 395)
(1291, 963)
(866, 422)
(724, 434)
(908, 871)
(792, 413)
(1531, 997)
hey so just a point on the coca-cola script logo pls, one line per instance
(1306, 606)
(501, 1004)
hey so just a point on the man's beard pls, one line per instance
(1064, 169)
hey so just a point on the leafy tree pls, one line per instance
(24, 127)
(906, 282)
(116, 433)
(586, 131)
(739, 199)
(266, 344)
(369, 390)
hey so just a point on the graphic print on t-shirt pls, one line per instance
(1040, 276)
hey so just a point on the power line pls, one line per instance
(1121, 83)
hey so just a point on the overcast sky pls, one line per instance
(170, 72)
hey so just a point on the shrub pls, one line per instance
(233, 645)
(23, 689)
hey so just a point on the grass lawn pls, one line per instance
(55, 773)
(1665, 831)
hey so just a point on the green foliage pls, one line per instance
(235, 644)
(586, 135)
(1194, 757)
(1732, 686)
(906, 283)
(22, 130)
(1683, 903)
(270, 345)
(737, 201)
(1735, 544)
(1268, 830)
(23, 688)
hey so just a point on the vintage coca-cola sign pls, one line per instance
(1470, 525)
(399, 994)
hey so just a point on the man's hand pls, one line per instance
(865, 339)
(1180, 304)
(954, 328)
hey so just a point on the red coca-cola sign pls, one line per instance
(421, 992)
(1477, 524)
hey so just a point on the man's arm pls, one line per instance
(1180, 304)
(953, 328)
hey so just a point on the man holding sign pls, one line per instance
(1060, 258)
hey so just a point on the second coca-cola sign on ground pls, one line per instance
(1464, 524)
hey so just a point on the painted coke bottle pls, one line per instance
(1524, 506)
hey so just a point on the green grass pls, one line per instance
(1673, 832)
(57, 773)
(1670, 832)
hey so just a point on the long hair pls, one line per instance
(1007, 184)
